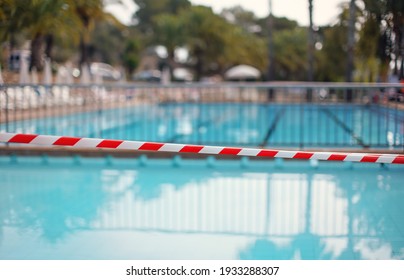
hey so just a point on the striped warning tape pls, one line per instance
(78, 142)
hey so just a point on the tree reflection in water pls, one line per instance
(291, 213)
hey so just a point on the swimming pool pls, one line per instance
(107, 208)
(247, 124)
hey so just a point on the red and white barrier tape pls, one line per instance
(49, 140)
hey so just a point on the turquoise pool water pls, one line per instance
(288, 125)
(77, 208)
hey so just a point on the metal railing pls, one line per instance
(295, 115)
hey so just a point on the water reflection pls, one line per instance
(66, 211)
(47, 201)
(214, 123)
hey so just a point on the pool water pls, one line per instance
(107, 208)
(288, 125)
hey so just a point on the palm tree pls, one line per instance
(208, 39)
(351, 41)
(11, 20)
(351, 44)
(87, 11)
(46, 19)
(169, 32)
(310, 56)
(41, 20)
(271, 56)
(67, 19)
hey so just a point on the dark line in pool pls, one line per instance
(345, 127)
(272, 127)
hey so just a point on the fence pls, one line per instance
(296, 115)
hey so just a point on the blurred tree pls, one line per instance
(169, 32)
(12, 19)
(333, 60)
(290, 47)
(131, 55)
(351, 44)
(310, 51)
(374, 14)
(110, 35)
(55, 20)
(248, 43)
(283, 38)
(396, 7)
(270, 73)
(64, 49)
(215, 44)
(290, 61)
(245, 19)
(280, 23)
(249, 38)
(389, 14)
(47, 19)
(367, 49)
(207, 35)
(244, 48)
(87, 11)
(147, 10)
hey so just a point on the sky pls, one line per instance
(325, 11)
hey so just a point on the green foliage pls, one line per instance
(280, 24)
(147, 10)
(367, 49)
(389, 17)
(169, 32)
(87, 10)
(290, 47)
(13, 17)
(215, 42)
(131, 55)
(242, 18)
(54, 19)
(106, 44)
(245, 48)
(247, 45)
(207, 37)
(63, 50)
(331, 61)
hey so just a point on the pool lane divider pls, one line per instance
(78, 142)
(345, 128)
(272, 127)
